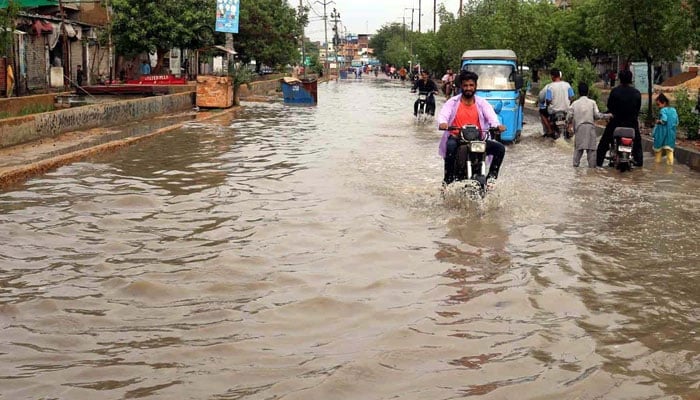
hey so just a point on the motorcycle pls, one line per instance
(449, 89)
(559, 125)
(470, 162)
(422, 114)
(620, 153)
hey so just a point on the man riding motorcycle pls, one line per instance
(624, 103)
(468, 109)
(447, 82)
(427, 86)
(559, 95)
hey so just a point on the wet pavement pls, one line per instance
(307, 252)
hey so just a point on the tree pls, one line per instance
(157, 26)
(269, 32)
(653, 30)
(380, 41)
(7, 27)
(397, 52)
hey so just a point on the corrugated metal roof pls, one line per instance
(30, 3)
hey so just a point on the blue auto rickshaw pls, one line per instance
(500, 84)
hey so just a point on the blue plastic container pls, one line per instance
(300, 91)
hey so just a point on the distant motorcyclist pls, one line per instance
(624, 103)
(427, 86)
(447, 82)
(468, 109)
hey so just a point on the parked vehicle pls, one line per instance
(500, 84)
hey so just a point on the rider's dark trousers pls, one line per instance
(429, 106)
(495, 149)
(607, 139)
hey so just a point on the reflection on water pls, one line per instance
(308, 253)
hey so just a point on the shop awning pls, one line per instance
(31, 3)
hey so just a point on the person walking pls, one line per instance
(582, 113)
(665, 130)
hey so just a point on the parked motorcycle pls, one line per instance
(470, 162)
(620, 153)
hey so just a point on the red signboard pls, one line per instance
(157, 80)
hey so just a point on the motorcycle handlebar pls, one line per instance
(492, 129)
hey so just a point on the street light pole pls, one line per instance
(419, 14)
(325, 32)
(303, 45)
(412, 10)
(434, 16)
(335, 18)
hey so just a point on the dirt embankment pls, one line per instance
(678, 79)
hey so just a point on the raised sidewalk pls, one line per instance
(34, 144)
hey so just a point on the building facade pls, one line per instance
(50, 40)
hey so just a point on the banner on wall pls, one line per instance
(227, 15)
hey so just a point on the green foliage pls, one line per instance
(156, 26)
(240, 74)
(386, 34)
(649, 30)
(688, 120)
(575, 72)
(269, 32)
(397, 52)
(7, 26)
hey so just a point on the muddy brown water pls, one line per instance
(306, 253)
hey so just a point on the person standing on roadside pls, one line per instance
(79, 75)
(665, 130)
(145, 68)
(611, 77)
(624, 104)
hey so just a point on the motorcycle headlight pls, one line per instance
(477, 147)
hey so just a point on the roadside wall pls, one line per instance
(33, 127)
(14, 105)
(260, 88)
(27, 128)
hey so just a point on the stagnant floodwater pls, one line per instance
(306, 253)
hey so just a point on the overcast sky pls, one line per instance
(367, 16)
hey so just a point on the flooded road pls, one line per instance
(306, 253)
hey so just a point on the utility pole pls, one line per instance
(420, 10)
(460, 8)
(325, 33)
(303, 40)
(412, 10)
(64, 45)
(335, 15)
(434, 16)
